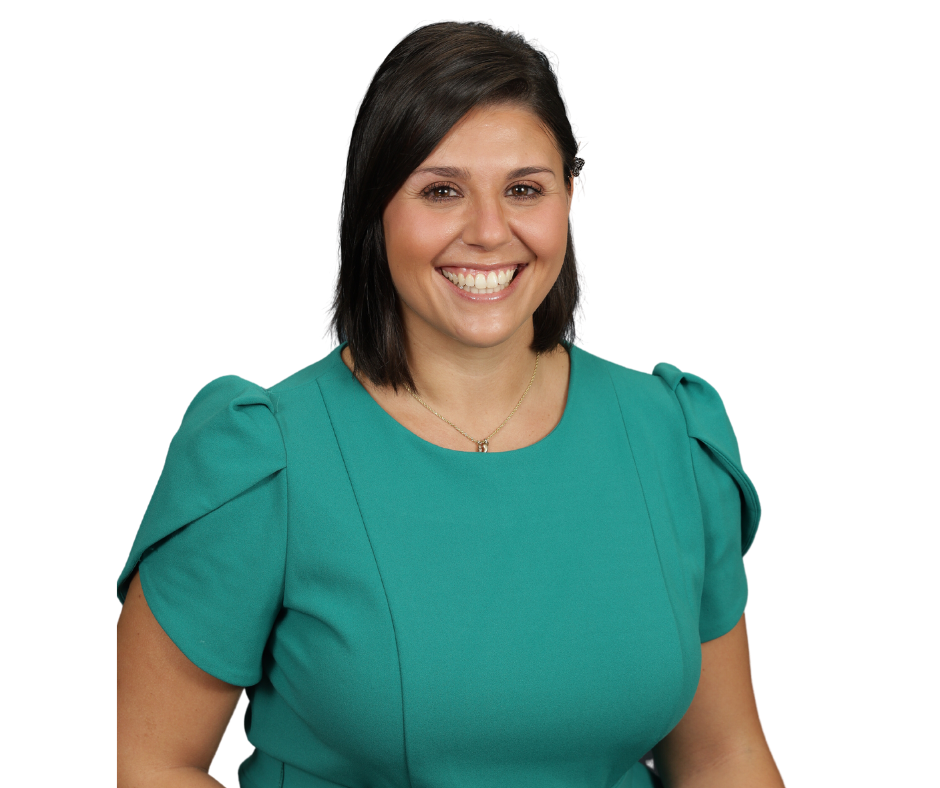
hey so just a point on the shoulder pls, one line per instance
(636, 391)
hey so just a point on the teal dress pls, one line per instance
(407, 615)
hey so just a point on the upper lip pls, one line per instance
(475, 267)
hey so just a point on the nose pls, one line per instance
(487, 225)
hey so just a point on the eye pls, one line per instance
(437, 187)
(527, 186)
(428, 192)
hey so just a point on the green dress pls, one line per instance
(408, 615)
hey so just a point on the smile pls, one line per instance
(472, 280)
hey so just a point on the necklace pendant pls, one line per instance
(481, 445)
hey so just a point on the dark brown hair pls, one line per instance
(428, 82)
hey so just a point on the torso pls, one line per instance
(539, 414)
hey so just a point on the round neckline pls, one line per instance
(397, 426)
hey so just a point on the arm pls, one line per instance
(188, 777)
(719, 742)
(170, 714)
(755, 770)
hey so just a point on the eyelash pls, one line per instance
(428, 192)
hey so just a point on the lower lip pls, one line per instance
(504, 293)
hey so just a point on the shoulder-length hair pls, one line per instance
(428, 82)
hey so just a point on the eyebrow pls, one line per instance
(460, 172)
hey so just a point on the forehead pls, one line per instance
(496, 133)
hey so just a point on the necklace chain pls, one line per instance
(482, 445)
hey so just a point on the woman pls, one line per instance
(401, 610)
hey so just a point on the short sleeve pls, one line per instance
(729, 503)
(212, 545)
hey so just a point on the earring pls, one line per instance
(576, 169)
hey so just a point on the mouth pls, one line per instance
(481, 281)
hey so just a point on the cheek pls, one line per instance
(546, 233)
(413, 238)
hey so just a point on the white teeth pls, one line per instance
(492, 282)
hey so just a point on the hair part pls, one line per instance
(427, 84)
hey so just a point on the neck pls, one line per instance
(475, 387)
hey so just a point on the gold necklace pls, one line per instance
(481, 445)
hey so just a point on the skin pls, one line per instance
(472, 360)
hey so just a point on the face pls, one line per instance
(477, 235)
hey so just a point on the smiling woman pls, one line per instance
(502, 213)
(461, 164)
(321, 543)
(475, 240)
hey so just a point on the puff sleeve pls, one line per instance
(729, 503)
(212, 545)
